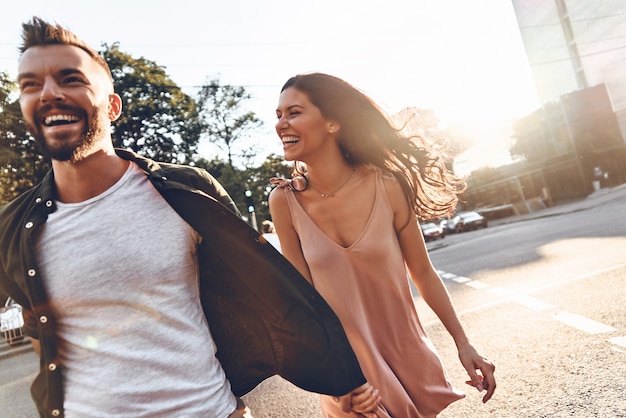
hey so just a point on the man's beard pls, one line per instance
(62, 149)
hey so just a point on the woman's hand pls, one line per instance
(474, 362)
(363, 401)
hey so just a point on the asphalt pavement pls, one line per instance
(269, 395)
(597, 198)
(17, 349)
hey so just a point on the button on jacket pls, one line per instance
(265, 318)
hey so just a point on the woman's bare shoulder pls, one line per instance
(277, 196)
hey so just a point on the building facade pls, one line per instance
(575, 44)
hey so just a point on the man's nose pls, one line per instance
(51, 91)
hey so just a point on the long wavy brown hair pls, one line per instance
(369, 136)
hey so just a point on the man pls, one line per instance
(144, 292)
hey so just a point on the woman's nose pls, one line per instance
(280, 124)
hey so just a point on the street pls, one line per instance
(543, 299)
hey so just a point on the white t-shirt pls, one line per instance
(273, 239)
(122, 276)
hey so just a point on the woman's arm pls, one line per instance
(287, 235)
(434, 292)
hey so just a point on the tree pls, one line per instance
(254, 179)
(224, 120)
(158, 120)
(21, 165)
(257, 180)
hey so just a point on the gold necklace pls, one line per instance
(338, 188)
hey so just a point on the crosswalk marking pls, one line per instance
(577, 321)
(621, 341)
(532, 303)
(477, 284)
(582, 323)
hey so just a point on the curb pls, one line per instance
(593, 200)
(8, 351)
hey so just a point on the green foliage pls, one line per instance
(21, 166)
(258, 182)
(158, 120)
(224, 121)
(255, 179)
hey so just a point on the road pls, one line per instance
(543, 299)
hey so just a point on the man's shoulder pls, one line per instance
(189, 176)
(174, 171)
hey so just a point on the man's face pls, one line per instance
(67, 101)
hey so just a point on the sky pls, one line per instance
(463, 59)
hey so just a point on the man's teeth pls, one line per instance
(49, 120)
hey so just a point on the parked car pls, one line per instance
(448, 226)
(432, 231)
(469, 221)
(12, 322)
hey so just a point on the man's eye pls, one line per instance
(71, 80)
(25, 85)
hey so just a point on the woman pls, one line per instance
(348, 221)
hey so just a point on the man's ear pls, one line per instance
(115, 106)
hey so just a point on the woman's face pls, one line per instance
(301, 126)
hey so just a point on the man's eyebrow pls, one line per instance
(25, 75)
(64, 72)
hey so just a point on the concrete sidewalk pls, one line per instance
(595, 199)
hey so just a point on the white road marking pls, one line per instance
(621, 341)
(477, 284)
(584, 324)
(500, 291)
(577, 321)
(532, 303)
(445, 275)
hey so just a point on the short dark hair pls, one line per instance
(38, 32)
